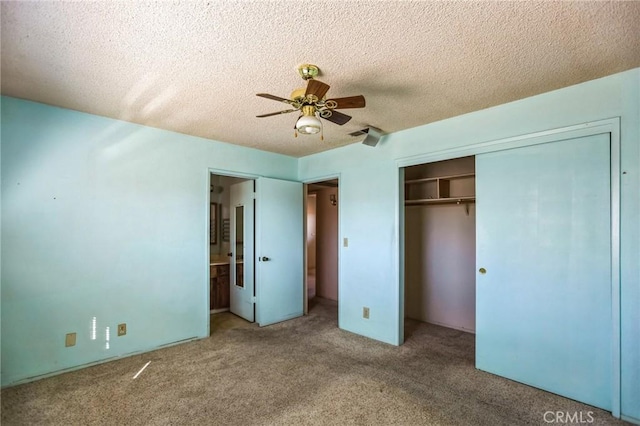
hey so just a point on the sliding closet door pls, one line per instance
(543, 312)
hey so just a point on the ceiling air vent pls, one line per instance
(359, 132)
(373, 135)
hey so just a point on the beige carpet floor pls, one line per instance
(301, 372)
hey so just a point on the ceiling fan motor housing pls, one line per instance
(308, 71)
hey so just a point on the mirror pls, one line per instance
(239, 249)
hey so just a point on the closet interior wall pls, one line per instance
(440, 235)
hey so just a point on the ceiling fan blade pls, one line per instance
(350, 102)
(286, 111)
(318, 88)
(275, 98)
(338, 118)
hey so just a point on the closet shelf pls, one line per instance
(454, 200)
(451, 189)
(434, 179)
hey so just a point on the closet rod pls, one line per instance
(456, 200)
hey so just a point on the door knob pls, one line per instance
(482, 271)
(264, 259)
(229, 254)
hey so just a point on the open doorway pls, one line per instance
(258, 258)
(440, 249)
(222, 275)
(322, 207)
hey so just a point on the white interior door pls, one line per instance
(279, 250)
(543, 295)
(241, 267)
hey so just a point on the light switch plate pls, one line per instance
(345, 242)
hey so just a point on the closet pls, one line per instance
(440, 237)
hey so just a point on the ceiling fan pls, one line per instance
(311, 102)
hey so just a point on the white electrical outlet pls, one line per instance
(70, 339)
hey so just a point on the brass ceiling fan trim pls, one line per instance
(308, 71)
(311, 100)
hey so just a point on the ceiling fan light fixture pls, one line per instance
(308, 125)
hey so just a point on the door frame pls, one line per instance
(219, 172)
(306, 183)
(610, 126)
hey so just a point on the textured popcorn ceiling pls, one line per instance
(194, 67)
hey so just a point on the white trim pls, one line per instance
(611, 126)
(400, 252)
(229, 173)
(305, 254)
(553, 135)
(322, 179)
(616, 379)
(208, 251)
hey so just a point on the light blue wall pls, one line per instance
(369, 193)
(107, 219)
